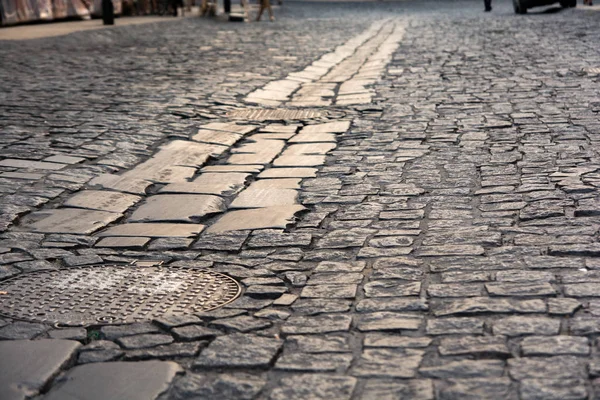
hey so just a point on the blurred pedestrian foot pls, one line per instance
(488, 5)
(587, 2)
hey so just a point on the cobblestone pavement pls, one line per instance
(406, 193)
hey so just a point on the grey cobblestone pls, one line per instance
(448, 249)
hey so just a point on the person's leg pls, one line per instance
(260, 10)
(269, 9)
(488, 5)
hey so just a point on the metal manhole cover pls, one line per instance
(261, 114)
(114, 294)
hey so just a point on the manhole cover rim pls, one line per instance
(234, 295)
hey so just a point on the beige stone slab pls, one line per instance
(233, 168)
(288, 173)
(261, 218)
(229, 127)
(255, 197)
(102, 200)
(278, 128)
(223, 189)
(154, 230)
(256, 158)
(64, 159)
(329, 127)
(269, 95)
(299, 161)
(31, 176)
(177, 207)
(309, 148)
(263, 102)
(123, 242)
(28, 164)
(284, 183)
(188, 154)
(162, 174)
(305, 137)
(121, 183)
(230, 178)
(266, 147)
(71, 220)
(271, 136)
(216, 137)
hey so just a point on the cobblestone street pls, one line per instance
(379, 200)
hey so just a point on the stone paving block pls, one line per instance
(553, 389)
(154, 230)
(322, 362)
(329, 127)
(465, 369)
(30, 164)
(325, 323)
(521, 325)
(417, 389)
(474, 345)
(239, 351)
(256, 197)
(27, 366)
(179, 208)
(314, 386)
(488, 388)
(237, 385)
(288, 173)
(388, 321)
(216, 137)
(391, 288)
(116, 381)
(22, 330)
(102, 200)
(387, 363)
(125, 184)
(221, 189)
(285, 160)
(72, 220)
(123, 242)
(262, 218)
(555, 345)
(557, 367)
(330, 291)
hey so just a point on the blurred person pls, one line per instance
(488, 5)
(265, 4)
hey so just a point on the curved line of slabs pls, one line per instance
(275, 158)
(339, 77)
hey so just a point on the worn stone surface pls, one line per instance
(27, 366)
(443, 168)
(117, 380)
(237, 350)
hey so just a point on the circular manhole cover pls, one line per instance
(114, 294)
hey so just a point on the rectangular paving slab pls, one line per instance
(71, 220)
(26, 366)
(261, 218)
(116, 381)
(177, 207)
(102, 200)
(154, 230)
(255, 197)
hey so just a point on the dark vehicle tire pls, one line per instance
(519, 8)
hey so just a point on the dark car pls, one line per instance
(521, 6)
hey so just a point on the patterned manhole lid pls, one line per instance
(278, 114)
(113, 294)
